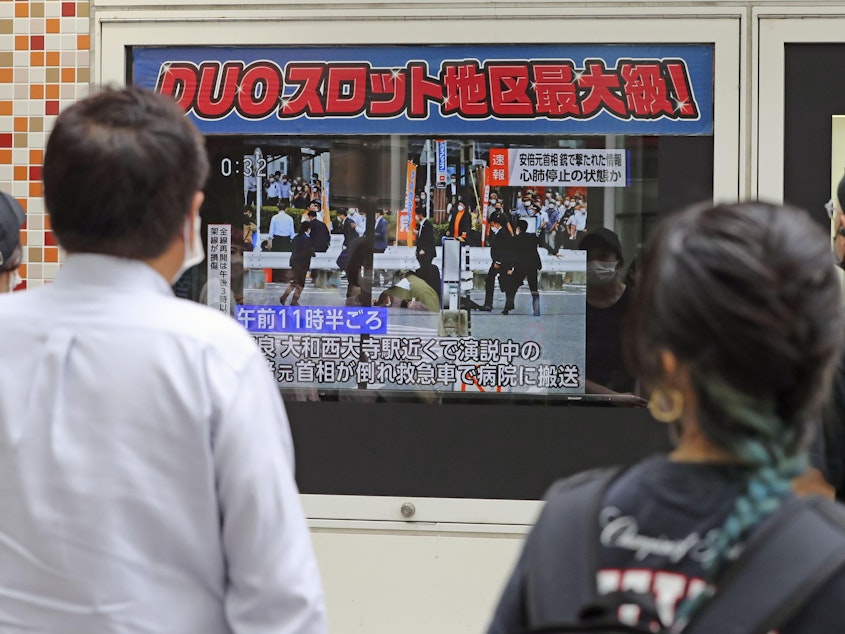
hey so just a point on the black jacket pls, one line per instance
(302, 253)
(349, 232)
(500, 247)
(525, 253)
(320, 237)
(425, 238)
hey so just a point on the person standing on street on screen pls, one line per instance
(425, 243)
(524, 265)
(321, 239)
(499, 241)
(12, 218)
(145, 452)
(300, 262)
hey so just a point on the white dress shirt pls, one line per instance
(281, 225)
(273, 190)
(146, 466)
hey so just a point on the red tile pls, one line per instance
(35, 173)
(6, 139)
(50, 239)
(36, 43)
(68, 9)
(50, 107)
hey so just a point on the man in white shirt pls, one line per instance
(284, 192)
(281, 231)
(250, 190)
(11, 220)
(274, 191)
(360, 221)
(145, 455)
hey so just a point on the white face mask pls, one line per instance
(601, 273)
(194, 252)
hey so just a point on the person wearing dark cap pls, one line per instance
(607, 301)
(11, 220)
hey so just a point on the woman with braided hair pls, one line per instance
(735, 328)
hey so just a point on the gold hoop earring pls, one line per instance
(660, 397)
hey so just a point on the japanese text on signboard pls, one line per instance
(556, 89)
(218, 261)
(519, 167)
(446, 364)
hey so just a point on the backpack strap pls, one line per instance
(561, 552)
(780, 570)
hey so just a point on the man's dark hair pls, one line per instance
(522, 225)
(312, 213)
(120, 172)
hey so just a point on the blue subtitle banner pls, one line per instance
(329, 320)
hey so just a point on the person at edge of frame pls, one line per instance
(830, 472)
(12, 218)
(735, 330)
(139, 493)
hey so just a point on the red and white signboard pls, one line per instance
(558, 168)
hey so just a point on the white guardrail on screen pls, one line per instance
(403, 258)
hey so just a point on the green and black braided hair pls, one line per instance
(747, 297)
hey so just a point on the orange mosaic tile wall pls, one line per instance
(44, 66)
